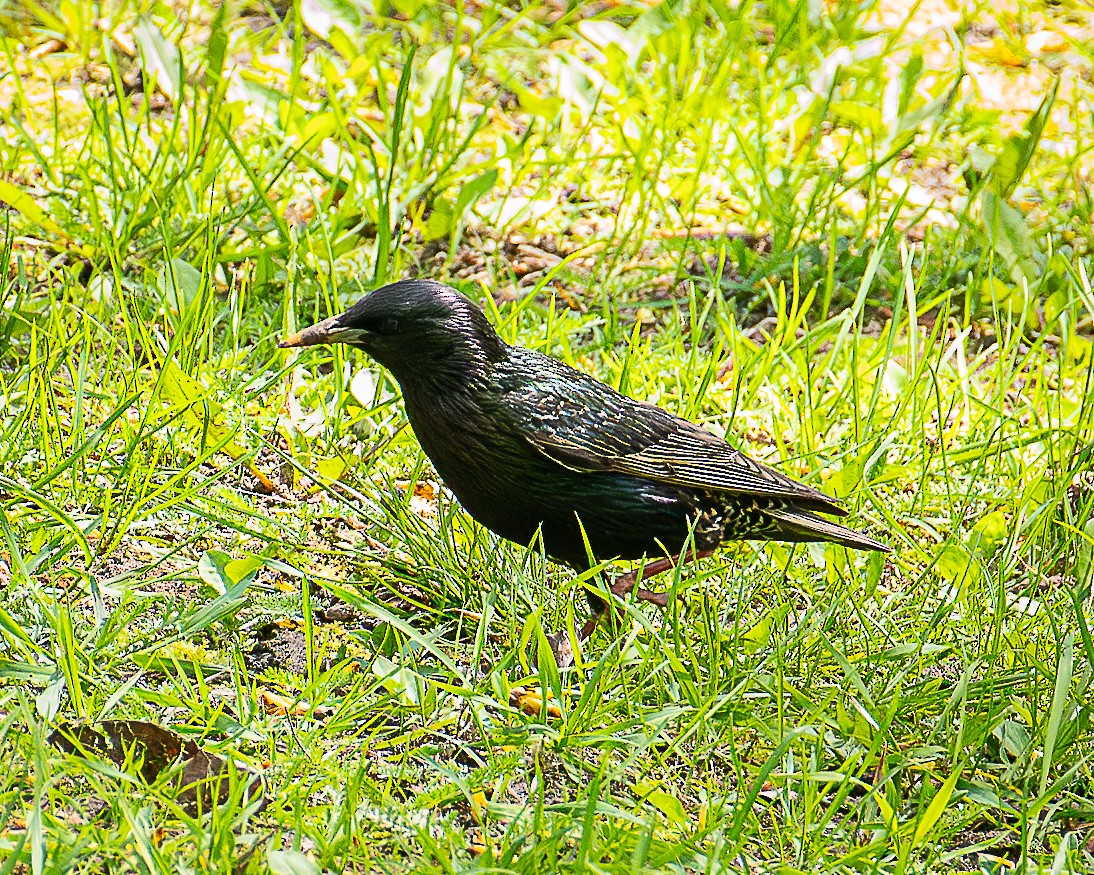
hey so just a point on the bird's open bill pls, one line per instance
(327, 331)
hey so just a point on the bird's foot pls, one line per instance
(654, 598)
(625, 585)
(628, 582)
(562, 646)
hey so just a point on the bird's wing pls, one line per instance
(585, 425)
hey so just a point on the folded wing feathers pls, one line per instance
(603, 430)
(705, 461)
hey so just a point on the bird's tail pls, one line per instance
(801, 525)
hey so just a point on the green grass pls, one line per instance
(818, 231)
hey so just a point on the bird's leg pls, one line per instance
(560, 641)
(628, 582)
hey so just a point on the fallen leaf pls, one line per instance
(478, 805)
(531, 702)
(282, 706)
(153, 748)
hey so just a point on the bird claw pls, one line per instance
(560, 642)
(661, 599)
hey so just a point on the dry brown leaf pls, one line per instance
(154, 749)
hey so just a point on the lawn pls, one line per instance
(243, 627)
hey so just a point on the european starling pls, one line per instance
(528, 444)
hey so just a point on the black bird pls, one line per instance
(527, 443)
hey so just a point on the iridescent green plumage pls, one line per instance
(528, 444)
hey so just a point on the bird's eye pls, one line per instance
(387, 326)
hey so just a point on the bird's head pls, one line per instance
(417, 329)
